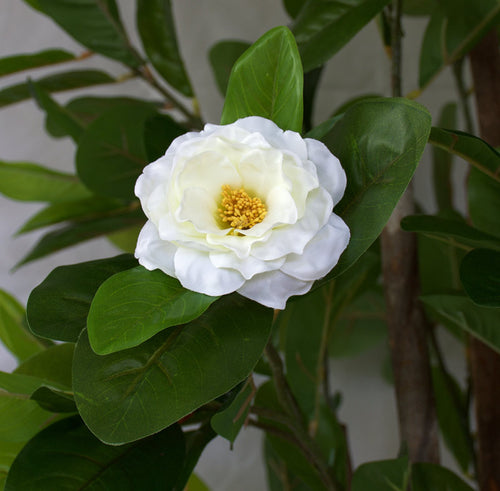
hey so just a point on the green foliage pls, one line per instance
(57, 82)
(156, 27)
(132, 306)
(385, 475)
(13, 333)
(270, 75)
(66, 455)
(323, 27)
(18, 63)
(379, 143)
(432, 477)
(153, 385)
(483, 196)
(222, 57)
(58, 307)
(480, 276)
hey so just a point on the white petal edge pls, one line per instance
(273, 289)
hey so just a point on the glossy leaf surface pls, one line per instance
(156, 28)
(323, 27)
(58, 307)
(267, 81)
(132, 306)
(151, 386)
(67, 456)
(379, 144)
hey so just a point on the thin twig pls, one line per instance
(463, 94)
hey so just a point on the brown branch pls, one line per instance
(405, 318)
(485, 363)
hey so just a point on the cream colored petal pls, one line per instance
(154, 253)
(321, 253)
(196, 272)
(248, 266)
(274, 288)
(199, 207)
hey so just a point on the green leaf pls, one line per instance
(13, 333)
(75, 233)
(61, 117)
(111, 152)
(54, 400)
(53, 365)
(470, 148)
(57, 82)
(67, 456)
(159, 131)
(459, 311)
(360, 326)
(442, 162)
(80, 210)
(151, 386)
(293, 7)
(126, 239)
(32, 182)
(418, 7)
(309, 321)
(379, 144)
(8, 452)
(95, 24)
(196, 484)
(450, 231)
(480, 276)
(323, 27)
(384, 475)
(267, 81)
(58, 307)
(228, 422)
(454, 28)
(223, 56)
(483, 196)
(18, 63)
(452, 413)
(156, 27)
(132, 306)
(432, 477)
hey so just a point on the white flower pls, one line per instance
(245, 207)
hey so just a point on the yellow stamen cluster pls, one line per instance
(239, 209)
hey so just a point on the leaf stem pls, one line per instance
(463, 94)
(193, 120)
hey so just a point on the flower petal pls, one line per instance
(331, 174)
(154, 253)
(321, 254)
(196, 272)
(274, 288)
(199, 207)
(248, 266)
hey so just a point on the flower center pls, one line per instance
(239, 209)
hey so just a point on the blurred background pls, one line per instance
(362, 67)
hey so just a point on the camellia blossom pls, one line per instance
(245, 207)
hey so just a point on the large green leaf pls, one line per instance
(58, 307)
(8, 452)
(57, 82)
(61, 117)
(460, 312)
(452, 413)
(483, 196)
(470, 148)
(379, 143)
(323, 27)
(159, 131)
(432, 477)
(111, 152)
(450, 231)
(157, 30)
(267, 81)
(454, 28)
(67, 456)
(13, 333)
(77, 232)
(222, 57)
(79, 210)
(32, 182)
(18, 63)
(384, 475)
(480, 275)
(132, 306)
(95, 24)
(133, 393)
